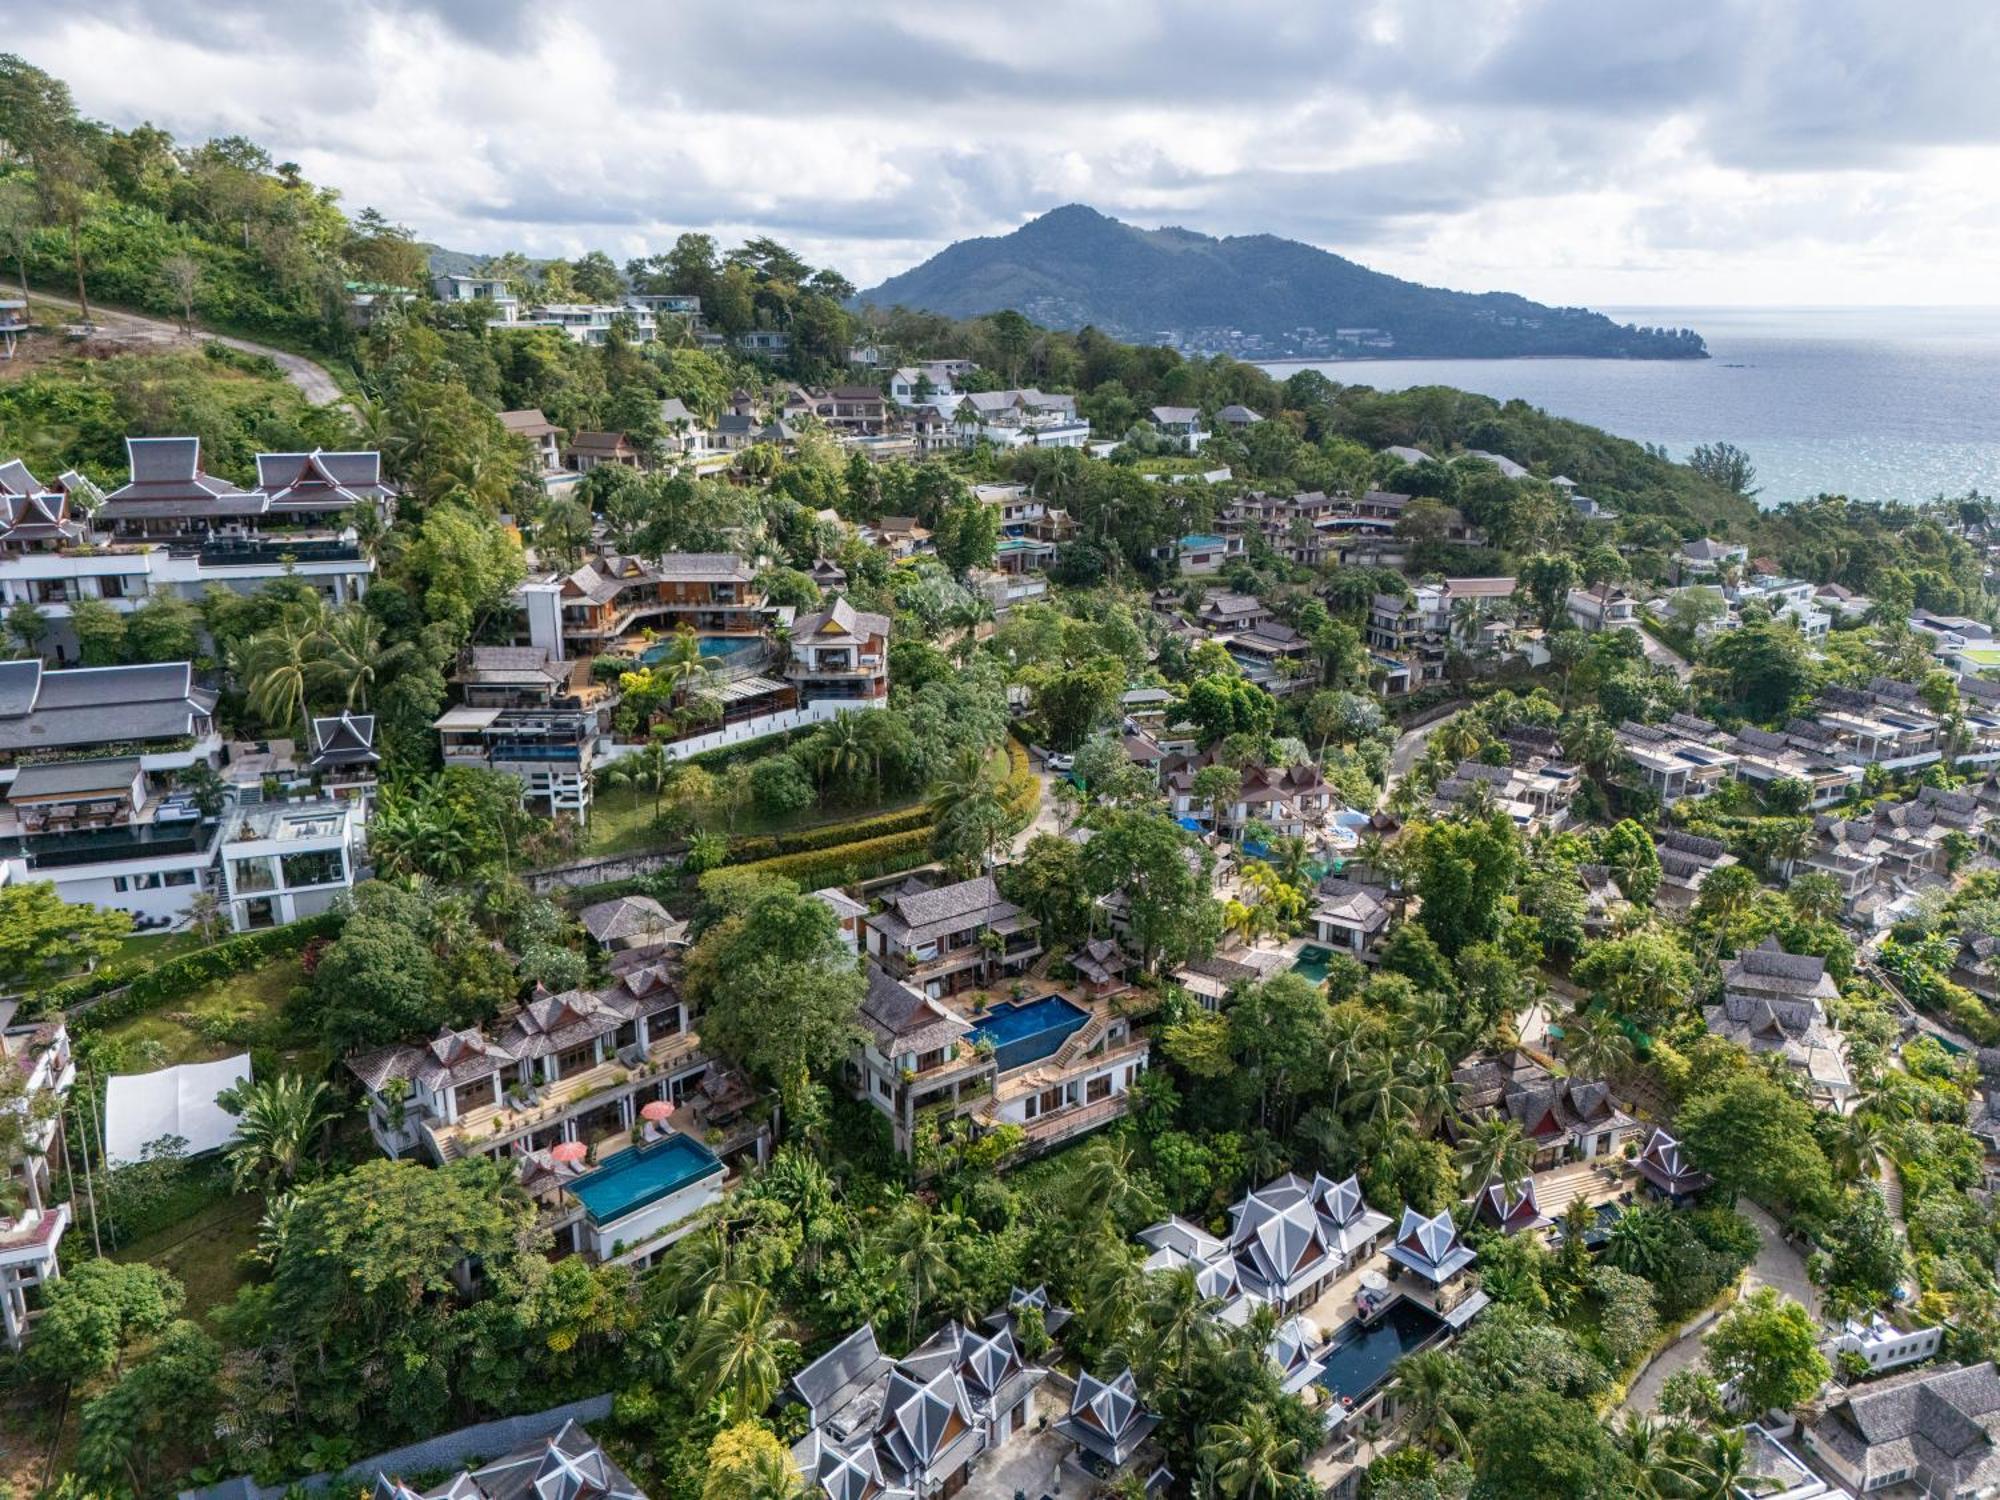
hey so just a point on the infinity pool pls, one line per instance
(645, 1174)
(1023, 1032)
(1362, 1358)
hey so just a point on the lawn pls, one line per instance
(621, 820)
(154, 947)
(244, 1010)
(205, 1250)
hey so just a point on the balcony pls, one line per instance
(110, 845)
(1047, 1130)
(491, 1125)
(274, 553)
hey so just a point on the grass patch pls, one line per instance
(621, 821)
(243, 1011)
(204, 1251)
(154, 947)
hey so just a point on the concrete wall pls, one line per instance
(749, 729)
(600, 871)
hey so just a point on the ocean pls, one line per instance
(1877, 403)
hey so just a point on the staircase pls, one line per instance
(1081, 1041)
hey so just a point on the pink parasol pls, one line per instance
(568, 1151)
(659, 1111)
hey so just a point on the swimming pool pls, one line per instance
(1361, 1358)
(645, 1174)
(712, 646)
(1311, 963)
(1024, 1032)
(1202, 541)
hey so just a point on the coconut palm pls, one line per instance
(1720, 1470)
(276, 1122)
(1655, 1473)
(1595, 1047)
(352, 656)
(921, 1250)
(769, 1474)
(1252, 1459)
(840, 748)
(1491, 1148)
(1107, 1183)
(680, 666)
(1427, 1382)
(1179, 1327)
(738, 1350)
(278, 665)
(1861, 1147)
(1349, 1042)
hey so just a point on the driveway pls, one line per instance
(1660, 655)
(1777, 1265)
(1408, 750)
(135, 330)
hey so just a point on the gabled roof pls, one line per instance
(825, 1384)
(343, 739)
(1430, 1247)
(1105, 1417)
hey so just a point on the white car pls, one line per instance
(1060, 762)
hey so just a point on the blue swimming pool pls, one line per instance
(714, 647)
(1024, 1032)
(645, 1174)
(1361, 1358)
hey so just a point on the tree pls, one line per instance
(352, 658)
(1252, 1459)
(277, 666)
(1048, 883)
(377, 984)
(1769, 1346)
(1595, 1047)
(1767, 665)
(164, 628)
(1493, 1149)
(1692, 608)
(94, 1314)
(1645, 976)
(180, 277)
(162, 1410)
(28, 627)
(1221, 705)
(738, 1349)
(1726, 465)
(1464, 871)
(1533, 1444)
(781, 788)
(43, 938)
(780, 993)
(747, 1462)
(276, 1122)
(100, 633)
(967, 534)
(1164, 877)
(1628, 849)
(1755, 1136)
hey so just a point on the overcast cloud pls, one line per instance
(1642, 151)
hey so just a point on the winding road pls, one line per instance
(135, 329)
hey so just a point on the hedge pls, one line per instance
(753, 848)
(180, 977)
(844, 863)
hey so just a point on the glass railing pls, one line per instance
(104, 845)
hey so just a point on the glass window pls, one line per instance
(180, 877)
(314, 867)
(252, 875)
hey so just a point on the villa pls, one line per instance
(1669, 1175)
(1428, 1256)
(31, 1231)
(1880, 1344)
(911, 1426)
(953, 937)
(1774, 1001)
(1932, 1431)
(1110, 1428)
(1566, 1119)
(1351, 918)
(285, 861)
(1052, 1067)
(1675, 759)
(566, 1466)
(173, 528)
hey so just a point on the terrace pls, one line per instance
(489, 1126)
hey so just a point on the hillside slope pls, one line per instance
(1074, 266)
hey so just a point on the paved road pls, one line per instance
(1660, 655)
(1777, 1265)
(135, 328)
(1409, 749)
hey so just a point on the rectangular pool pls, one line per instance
(1361, 1358)
(1024, 1032)
(645, 1174)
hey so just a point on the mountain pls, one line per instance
(1248, 294)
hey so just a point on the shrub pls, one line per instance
(182, 976)
(845, 863)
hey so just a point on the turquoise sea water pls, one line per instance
(1876, 403)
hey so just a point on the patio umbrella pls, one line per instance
(568, 1152)
(659, 1111)
(1375, 1281)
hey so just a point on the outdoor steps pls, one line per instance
(1081, 1041)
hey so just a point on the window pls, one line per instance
(1098, 1088)
(576, 1059)
(252, 875)
(882, 1087)
(313, 867)
(180, 877)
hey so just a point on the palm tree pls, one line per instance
(1654, 1471)
(1494, 1147)
(1595, 1047)
(1428, 1383)
(840, 748)
(277, 1120)
(770, 1474)
(1107, 1183)
(922, 1254)
(1349, 1040)
(1179, 1325)
(1721, 1470)
(352, 658)
(1638, 1243)
(738, 1350)
(681, 666)
(1862, 1147)
(1252, 1458)
(278, 666)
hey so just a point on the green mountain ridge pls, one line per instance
(1074, 267)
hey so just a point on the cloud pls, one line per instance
(1654, 150)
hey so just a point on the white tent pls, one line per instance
(140, 1108)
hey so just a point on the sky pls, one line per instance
(1635, 153)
